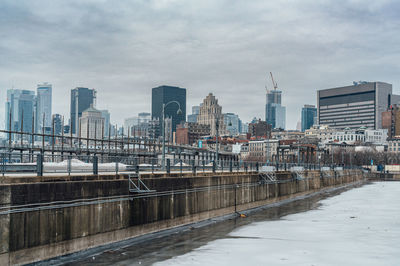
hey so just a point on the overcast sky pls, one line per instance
(124, 48)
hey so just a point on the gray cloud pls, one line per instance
(124, 48)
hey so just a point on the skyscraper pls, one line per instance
(58, 124)
(275, 113)
(81, 99)
(20, 106)
(210, 113)
(106, 115)
(165, 94)
(43, 106)
(308, 114)
(195, 112)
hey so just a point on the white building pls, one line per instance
(265, 149)
(91, 124)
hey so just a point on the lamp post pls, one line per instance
(163, 127)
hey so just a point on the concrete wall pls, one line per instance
(47, 230)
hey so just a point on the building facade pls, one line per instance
(275, 113)
(192, 118)
(211, 114)
(232, 123)
(189, 133)
(91, 124)
(259, 129)
(355, 106)
(57, 124)
(81, 99)
(391, 121)
(308, 115)
(20, 110)
(43, 106)
(164, 95)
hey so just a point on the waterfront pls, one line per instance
(360, 226)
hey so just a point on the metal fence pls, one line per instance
(39, 164)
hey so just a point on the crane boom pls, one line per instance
(273, 81)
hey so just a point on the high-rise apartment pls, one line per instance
(169, 96)
(81, 99)
(43, 106)
(355, 106)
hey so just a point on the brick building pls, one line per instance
(189, 133)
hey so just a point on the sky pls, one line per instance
(125, 48)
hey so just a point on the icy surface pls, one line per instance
(358, 227)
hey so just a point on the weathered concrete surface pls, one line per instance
(383, 176)
(34, 235)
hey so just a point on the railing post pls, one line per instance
(95, 165)
(204, 166)
(39, 164)
(69, 164)
(213, 166)
(230, 166)
(193, 167)
(116, 167)
(168, 166)
(3, 163)
(257, 167)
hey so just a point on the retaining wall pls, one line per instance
(76, 213)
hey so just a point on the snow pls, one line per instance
(79, 165)
(358, 227)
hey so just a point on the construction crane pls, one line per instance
(273, 81)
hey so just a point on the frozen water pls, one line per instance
(358, 227)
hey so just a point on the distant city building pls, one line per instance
(66, 129)
(81, 99)
(192, 118)
(58, 124)
(308, 114)
(91, 123)
(20, 106)
(391, 121)
(394, 145)
(245, 128)
(260, 129)
(211, 112)
(189, 133)
(106, 115)
(163, 95)
(232, 123)
(138, 125)
(275, 113)
(263, 150)
(43, 106)
(355, 106)
(287, 134)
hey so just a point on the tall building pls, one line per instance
(233, 123)
(308, 114)
(81, 99)
(43, 106)
(20, 106)
(192, 118)
(211, 112)
(58, 124)
(355, 106)
(275, 113)
(106, 115)
(164, 95)
(91, 123)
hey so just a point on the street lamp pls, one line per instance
(163, 127)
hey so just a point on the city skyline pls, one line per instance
(118, 57)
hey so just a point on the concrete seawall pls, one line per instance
(41, 218)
